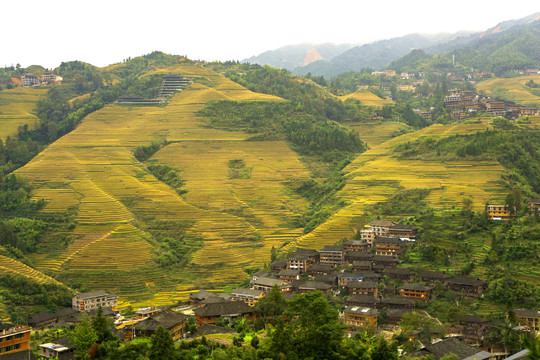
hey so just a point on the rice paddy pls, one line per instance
(367, 98)
(375, 175)
(92, 172)
(513, 89)
(17, 109)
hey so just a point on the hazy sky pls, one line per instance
(100, 32)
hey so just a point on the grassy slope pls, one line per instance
(375, 175)
(92, 169)
(513, 89)
(367, 98)
(16, 109)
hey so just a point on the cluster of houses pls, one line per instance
(35, 80)
(502, 212)
(463, 102)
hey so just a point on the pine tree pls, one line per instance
(83, 337)
(162, 345)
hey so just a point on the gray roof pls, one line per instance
(467, 280)
(482, 355)
(403, 227)
(355, 243)
(321, 267)
(363, 299)
(207, 329)
(91, 294)
(398, 271)
(332, 248)
(527, 313)
(519, 355)
(389, 240)
(289, 273)
(279, 264)
(436, 275)
(450, 346)
(417, 287)
(358, 275)
(311, 285)
(246, 292)
(361, 310)
(362, 284)
(166, 318)
(227, 308)
(201, 295)
(266, 281)
(398, 300)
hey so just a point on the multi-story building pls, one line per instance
(389, 246)
(59, 349)
(357, 245)
(14, 339)
(529, 318)
(267, 283)
(249, 296)
(356, 287)
(498, 212)
(367, 235)
(415, 291)
(93, 299)
(302, 259)
(402, 231)
(355, 316)
(467, 285)
(30, 80)
(380, 227)
(333, 255)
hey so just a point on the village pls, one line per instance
(365, 276)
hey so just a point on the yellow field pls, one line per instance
(16, 108)
(513, 89)
(376, 132)
(92, 170)
(375, 175)
(367, 98)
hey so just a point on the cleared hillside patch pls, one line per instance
(367, 98)
(17, 109)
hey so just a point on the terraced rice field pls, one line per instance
(92, 171)
(17, 108)
(367, 98)
(375, 175)
(376, 132)
(513, 89)
(10, 265)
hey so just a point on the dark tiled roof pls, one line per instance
(399, 227)
(321, 267)
(435, 275)
(451, 346)
(309, 252)
(362, 263)
(398, 300)
(362, 299)
(467, 280)
(388, 240)
(91, 294)
(201, 295)
(360, 310)
(358, 275)
(470, 319)
(389, 259)
(359, 255)
(527, 313)
(40, 317)
(224, 308)
(417, 287)
(398, 271)
(332, 248)
(311, 285)
(246, 292)
(279, 264)
(166, 318)
(289, 273)
(397, 313)
(362, 284)
(267, 281)
(355, 243)
(326, 278)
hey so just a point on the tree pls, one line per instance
(271, 305)
(102, 326)
(513, 201)
(83, 337)
(384, 351)
(162, 345)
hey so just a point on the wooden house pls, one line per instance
(173, 322)
(363, 300)
(467, 285)
(432, 277)
(389, 246)
(356, 316)
(332, 255)
(415, 291)
(403, 274)
(249, 296)
(357, 245)
(356, 287)
(209, 313)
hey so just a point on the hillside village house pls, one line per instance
(398, 302)
(289, 275)
(305, 286)
(320, 269)
(302, 259)
(354, 316)
(402, 231)
(380, 227)
(208, 314)
(346, 277)
(498, 212)
(144, 313)
(534, 206)
(389, 246)
(415, 291)
(529, 318)
(433, 277)
(93, 299)
(333, 255)
(249, 296)
(14, 339)
(357, 245)
(356, 287)
(30, 80)
(363, 300)
(173, 322)
(266, 284)
(58, 349)
(467, 285)
(403, 274)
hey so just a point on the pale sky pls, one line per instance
(47, 32)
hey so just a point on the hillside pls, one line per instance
(17, 108)
(231, 223)
(513, 89)
(367, 98)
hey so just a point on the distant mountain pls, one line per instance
(292, 56)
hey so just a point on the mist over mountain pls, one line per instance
(516, 39)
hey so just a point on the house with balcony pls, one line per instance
(94, 299)
(356, 316)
